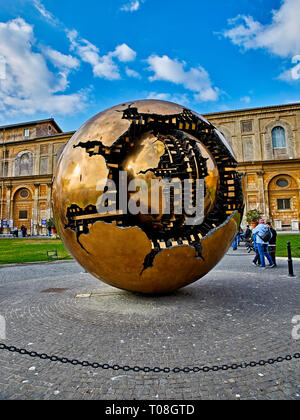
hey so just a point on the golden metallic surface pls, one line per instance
(177, 267)
(127, 252)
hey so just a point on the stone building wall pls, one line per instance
(261, 164)
(28, 164)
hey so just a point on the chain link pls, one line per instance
(106, 366)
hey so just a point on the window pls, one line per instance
(23, 214)
(5, 169)
(44, 166)
(26, 133)
(284, 204)
(248, 149)
(24, 164)
(44, 149)
(247, 126)
(278, 138)
(24, 193)
(282, 183)
(59, 152)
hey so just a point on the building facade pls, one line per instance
(28, 157)
(266, 142)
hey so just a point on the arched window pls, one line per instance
(278, 137)
(24, 164)
(59, 152)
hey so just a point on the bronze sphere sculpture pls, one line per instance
(146, 196)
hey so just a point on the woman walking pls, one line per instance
(256, 260)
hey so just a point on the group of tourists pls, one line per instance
(23, 232)
(264, 243)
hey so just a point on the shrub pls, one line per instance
(253, 215)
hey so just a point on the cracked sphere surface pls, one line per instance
(146, 196)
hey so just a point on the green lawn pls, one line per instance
(30, 250)
(281, 249)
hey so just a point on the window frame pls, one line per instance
(284, 200)
(26, 133)
(23, 218)
(24, 197)
(282, 179)
(276, 140)
(247, 126)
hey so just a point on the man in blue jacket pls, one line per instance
(262, 245)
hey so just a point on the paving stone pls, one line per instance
(190, 327)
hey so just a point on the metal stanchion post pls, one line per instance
(290, 261)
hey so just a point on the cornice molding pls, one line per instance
(47, 139)
(252, 111)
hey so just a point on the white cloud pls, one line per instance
(61, 60)
(132, 73)
(159, 96)
(124, 53)
(246, 99)
(132, 6)
(280, 37)
(44, 12)
(292, 74)
(103, 66)
(179, 99)
(296, 70)
(196, 80)
(29, 86)
(65, 63)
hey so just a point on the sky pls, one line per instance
(70, 59)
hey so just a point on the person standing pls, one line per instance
(262, 243)
(272, 243)
(256, 260)
(247, 234)
(235, 242)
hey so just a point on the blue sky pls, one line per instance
(70, 59)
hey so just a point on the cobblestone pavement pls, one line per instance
(236, 313)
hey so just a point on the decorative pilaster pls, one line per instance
(261, 191)
(37, 161)
(50, 158)
(35, 210)
(8, 205)
(49, 209)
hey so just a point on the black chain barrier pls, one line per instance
(215, 368)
